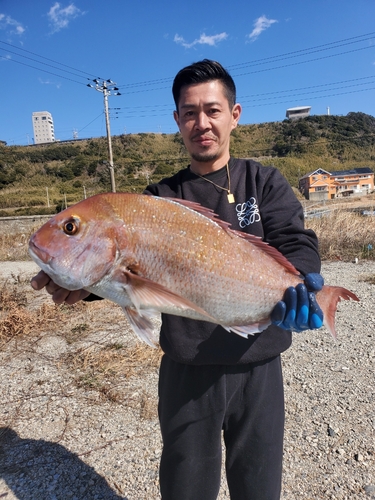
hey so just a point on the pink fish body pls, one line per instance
(151, 254)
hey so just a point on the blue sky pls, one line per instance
(319, 53)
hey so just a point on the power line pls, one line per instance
(152, 107)
(39, 62)
(297, 53)
(239, 66)
(45, 71)
(125, 92)
(46, 58)
(311, 50)
(311, 87)
(148, 111)
(314, 98)
(315, 92)
(92, 121)
(302, 62)
(157, 84)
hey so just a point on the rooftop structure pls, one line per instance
(298, 112)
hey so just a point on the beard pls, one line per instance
(204, 157)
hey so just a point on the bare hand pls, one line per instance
(59, 294)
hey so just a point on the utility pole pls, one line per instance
(106, 87)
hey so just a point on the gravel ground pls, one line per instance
(60, 440)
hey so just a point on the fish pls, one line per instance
(153, 255)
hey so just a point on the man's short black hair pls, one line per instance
(202, 72)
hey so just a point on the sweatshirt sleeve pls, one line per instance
(283, 224)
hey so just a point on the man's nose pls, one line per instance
(202, 122)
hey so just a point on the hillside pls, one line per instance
(33, 177)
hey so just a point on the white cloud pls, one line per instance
(202, 40)
(11, 25)
(60, 17)
(49, 82)
(260, 24)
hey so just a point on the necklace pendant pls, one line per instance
(230, 198)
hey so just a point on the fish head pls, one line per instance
(77, 247)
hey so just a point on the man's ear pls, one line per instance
(236, 114)
(176, 118)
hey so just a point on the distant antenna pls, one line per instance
(75, 134)
(328, 113)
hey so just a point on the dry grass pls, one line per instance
(99, 364)
(14, 247)
(125, 361)
(344, 235)
(16, 320)
(369, 279)
(105, 370)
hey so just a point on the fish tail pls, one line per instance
(328, 298)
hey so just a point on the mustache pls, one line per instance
(203, 136)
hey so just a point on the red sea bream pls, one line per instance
(151, 254)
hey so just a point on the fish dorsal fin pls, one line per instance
(269, 250)
(255, 240)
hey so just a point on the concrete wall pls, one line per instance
(25, 224)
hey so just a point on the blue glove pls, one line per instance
(299, 309)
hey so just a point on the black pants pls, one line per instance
(195, 404)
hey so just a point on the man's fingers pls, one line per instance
(52, 287)
(75, 296)
(302, 319)
(290, 299)
(316, 314)
(314, 282)
(278, 313)
(59, 294)
(40, 280)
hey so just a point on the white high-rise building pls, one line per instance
(43, 127)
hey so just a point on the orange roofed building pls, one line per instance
(323, 185)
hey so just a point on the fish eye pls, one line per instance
(70, 227)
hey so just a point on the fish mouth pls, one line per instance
(38, 253)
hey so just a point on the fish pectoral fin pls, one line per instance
(146, 294)
(245, 331)
(142, 326)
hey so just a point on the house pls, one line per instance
(323, 185)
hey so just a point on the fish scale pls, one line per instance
(151, 254)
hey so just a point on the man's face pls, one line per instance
(205, 121)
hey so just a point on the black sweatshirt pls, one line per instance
(265, 206)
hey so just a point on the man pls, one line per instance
(213, 381)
